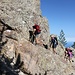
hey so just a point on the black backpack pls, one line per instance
(54, 40)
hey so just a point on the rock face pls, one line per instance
(22, 15)
(16, 19)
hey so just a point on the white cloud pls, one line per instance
(70, 39)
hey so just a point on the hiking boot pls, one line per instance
(45, 46)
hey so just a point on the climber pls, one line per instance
(36, 32)
(54, 43)
(34, 36)
(68, 54)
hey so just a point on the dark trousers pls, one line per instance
(31, 36)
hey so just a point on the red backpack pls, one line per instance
(37, 27)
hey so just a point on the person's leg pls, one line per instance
(45, 46)
(32, 39)
(68, 56)
(31, 36)
(54, 48)
(38, 41)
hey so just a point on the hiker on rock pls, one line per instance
(54, 43)
(36, 32)
(34, 36)
(68, 54)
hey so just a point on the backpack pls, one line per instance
(54, 41)
(37, 27)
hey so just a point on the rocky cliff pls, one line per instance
(22, 15)
(16, 19)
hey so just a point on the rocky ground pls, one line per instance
(18, 56)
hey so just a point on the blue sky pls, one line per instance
(60, 15)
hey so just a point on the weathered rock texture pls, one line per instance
(22, 15)
(17, 18)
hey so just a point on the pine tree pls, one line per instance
(62, 38)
